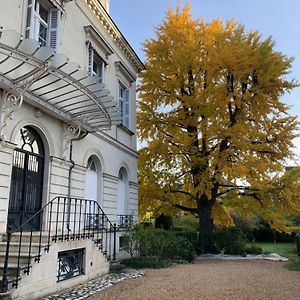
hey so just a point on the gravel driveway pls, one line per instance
(215, 280)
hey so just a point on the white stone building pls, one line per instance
(68, 160)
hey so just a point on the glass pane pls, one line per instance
(43, 14)
(43, 34)
(91, 165)
(29, 140)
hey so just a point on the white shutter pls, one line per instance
(90, 60)
(54, 28)
(126, 109)
(30, 19)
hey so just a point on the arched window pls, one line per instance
(122, 194)
(93, 179)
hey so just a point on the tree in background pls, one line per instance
(217, 134)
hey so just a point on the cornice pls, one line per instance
(107, 22)
(94, 35)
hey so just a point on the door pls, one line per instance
(26, 180)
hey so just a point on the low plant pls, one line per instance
(155, 242)
(142, 262)
(230, 241)
(253, 249)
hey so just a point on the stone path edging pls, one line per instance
(271, 256)
(94, 286)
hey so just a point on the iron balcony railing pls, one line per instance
(125, 221)
(62, 219)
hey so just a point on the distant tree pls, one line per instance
(216, 131)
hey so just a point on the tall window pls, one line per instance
(124, 104)
(96, 64)
(43, 23)
(122, 192)
(41, 19)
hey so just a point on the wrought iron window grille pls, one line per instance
(70, 264)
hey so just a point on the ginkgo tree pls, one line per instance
(217, 134)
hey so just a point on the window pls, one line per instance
(43, 23)
(124, 104)
(96, 65)
(70, 264)
(91, 165)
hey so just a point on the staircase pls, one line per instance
(21, 255)
(64, 219)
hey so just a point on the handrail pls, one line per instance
(33, 216)
(63, 218)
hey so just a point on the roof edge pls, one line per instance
(100, 12)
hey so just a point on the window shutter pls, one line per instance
(29, 19)
(90, 60)
(101, 71)
(54, 28)
(126, 109)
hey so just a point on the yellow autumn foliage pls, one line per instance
(217, 133)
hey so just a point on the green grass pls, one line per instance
(284, 249)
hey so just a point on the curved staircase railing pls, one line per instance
(61, 219)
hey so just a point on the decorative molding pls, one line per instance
(133, 184)
(107, 22)
(37, 113)
(70, 132)
(9, 104)
(110, 176)
(94, 38)
(122, 69)
(121, 126)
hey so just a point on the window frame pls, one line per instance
(34, 21)
(94, 57)
(125, 118)
(38, 20)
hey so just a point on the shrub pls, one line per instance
(165, 222)
(190, 236)
(253, 249)
(152, 242)
(230, 241)
(141, 262)
(186, 223)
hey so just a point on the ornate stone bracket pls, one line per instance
(8, 105)
(70, 132)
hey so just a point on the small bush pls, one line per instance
(230, 241)
(186, 223)
(190, 236)
(153, 242)
(143, 262)
(164, 222)
(253, 249)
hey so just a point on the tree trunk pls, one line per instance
(205, 237)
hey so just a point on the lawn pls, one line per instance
(284, 249)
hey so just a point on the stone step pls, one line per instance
(5, 296)
(13, 270)
(14, 247)
(13, 257)
(15, 237)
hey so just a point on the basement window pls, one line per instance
(70, 264)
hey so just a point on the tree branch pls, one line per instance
(188, 209)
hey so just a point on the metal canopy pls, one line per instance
(49, 79)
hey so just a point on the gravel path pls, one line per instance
(216, 280)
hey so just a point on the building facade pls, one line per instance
(68, 160)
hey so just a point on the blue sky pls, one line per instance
(137, 20)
